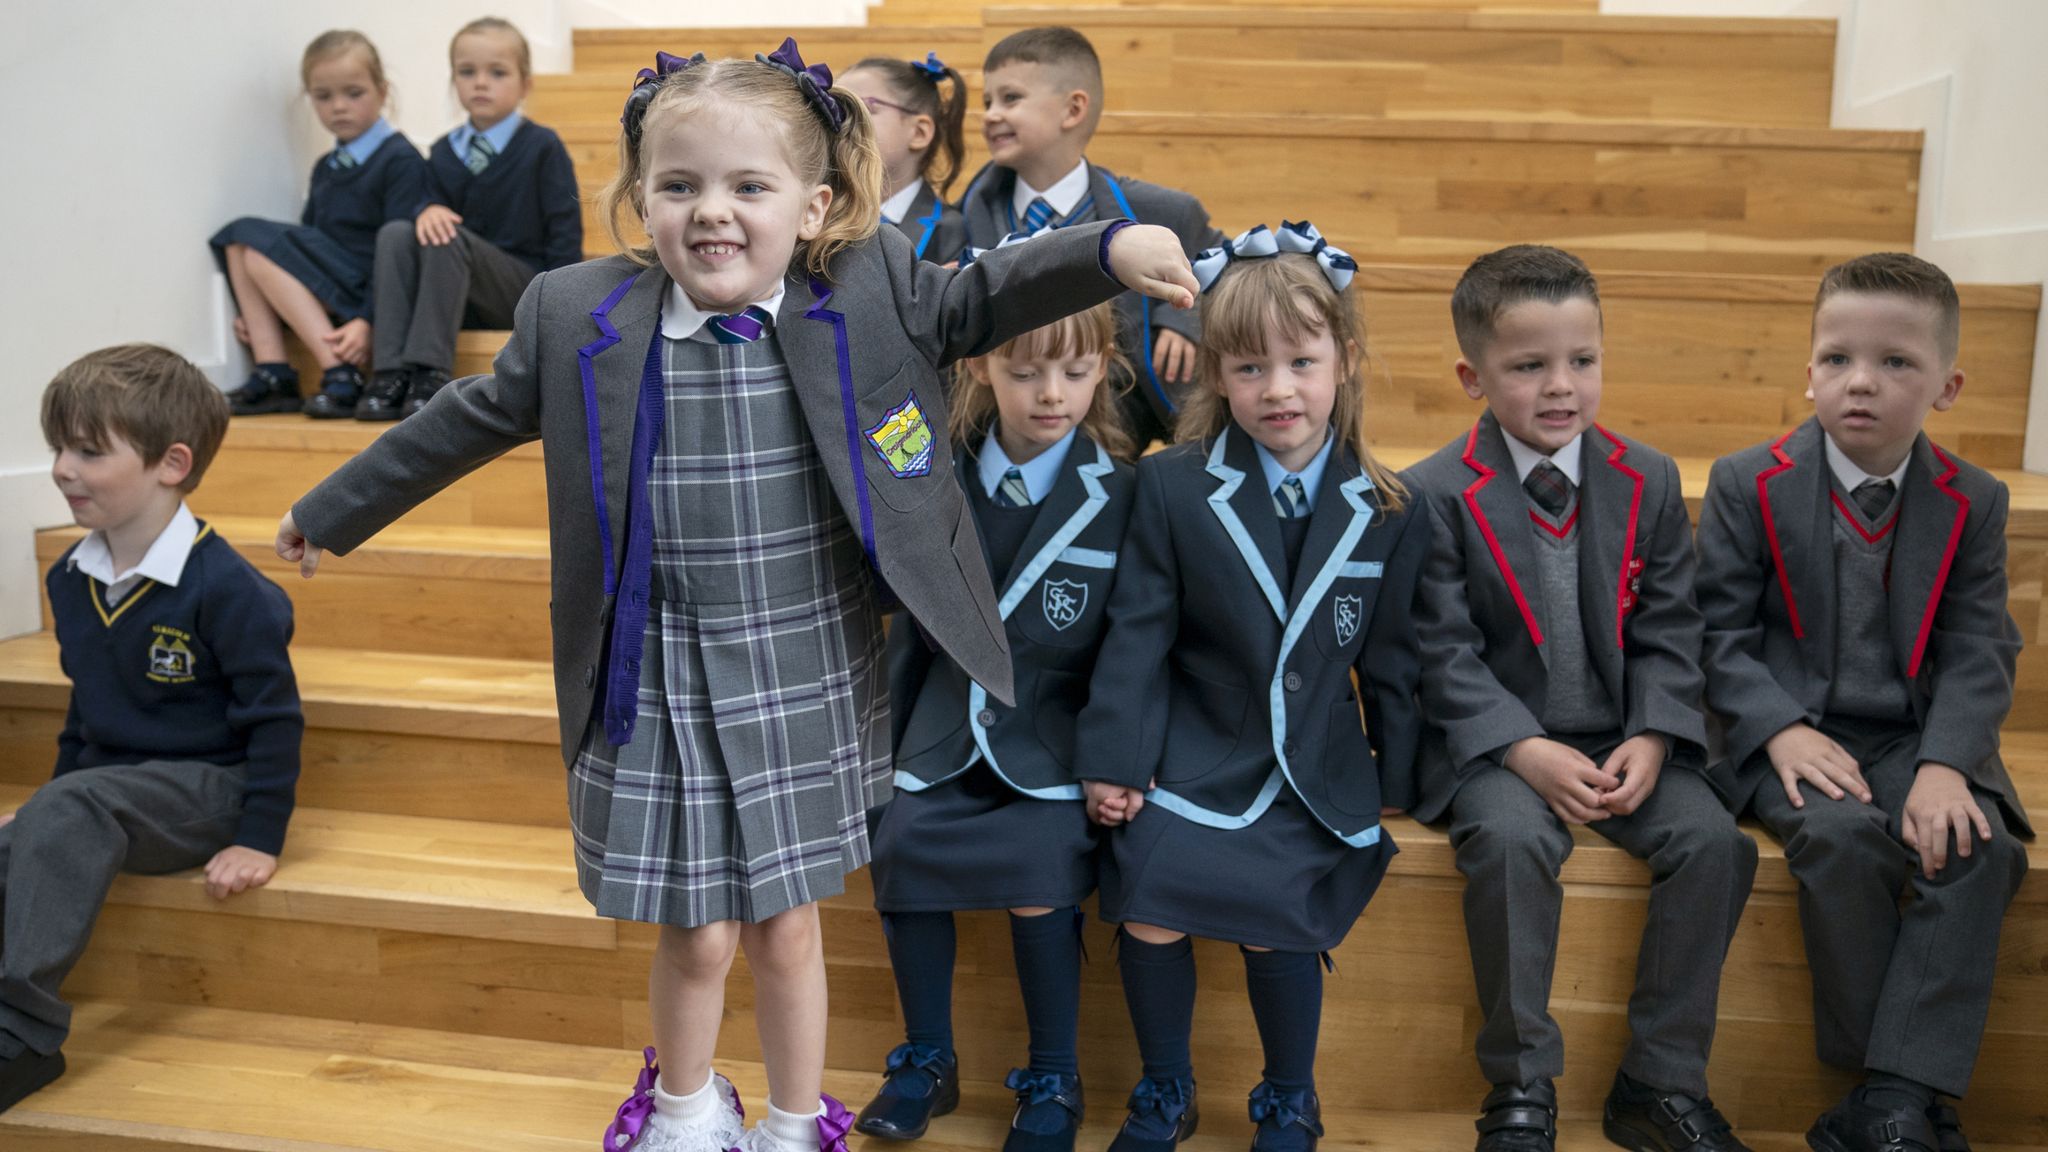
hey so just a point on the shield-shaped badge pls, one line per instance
(1349, 611)
(1064, 600)
(903, 439)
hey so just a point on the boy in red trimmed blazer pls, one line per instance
(1561, 684)
(1860, 658)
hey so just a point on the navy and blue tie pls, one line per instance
(1290, 499)
(343, 158)
(1037, 215)
(1012, 492)
(480, 153)
(743, 327)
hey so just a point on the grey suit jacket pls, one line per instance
(1482, 612)
(1767, 589)
(858, 352)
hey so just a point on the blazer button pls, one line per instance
(589, 675)
(1293, 681)
(1290, 748)
(986, 718)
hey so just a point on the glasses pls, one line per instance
(876, 104)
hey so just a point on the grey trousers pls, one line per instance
(1510, 847)
(60, 855)
(1898, 990)
(425, 293)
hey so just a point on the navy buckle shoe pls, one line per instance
(267, 391)
(920, 1082)
(1514, 1118)
(425, 382)
(384, 399)
(1666, 1122)
(1854, 1126)
(1948, 1129)
(1163, 1115)
(1049, 1110)
(1289, 1121)
(340, 386)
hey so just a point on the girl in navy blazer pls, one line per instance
(987, 812)
(919, 107)
(1269, 557)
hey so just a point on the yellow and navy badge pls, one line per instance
(170, 655)
(904, 439)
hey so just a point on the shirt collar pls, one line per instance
(1850, 475)
(897, 207)
(499, 134)
(680, 318)
(1566, 458)
(1311, 473)
(163, 563)
(1040, 472)
(1063, 195)
(372, 139)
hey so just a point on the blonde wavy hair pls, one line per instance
(1289, 293)
(847, 160)
(1089, 333)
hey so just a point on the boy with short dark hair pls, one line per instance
(1041, 101)
(1560, 677)
(181, 747)
(1860, 656)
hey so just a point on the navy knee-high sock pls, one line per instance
(921, 951)
(1287, 1001)
(1159, 986)
(1048, 951)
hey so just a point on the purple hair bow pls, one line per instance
(647, 82)
(814, 79)
(934, 69)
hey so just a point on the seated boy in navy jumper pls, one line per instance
(181, 747)
(1860, 655)
(1561, 680)
(1041, 100)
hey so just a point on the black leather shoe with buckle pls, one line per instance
(1948, 1129)
(1514, 1118)
(921, 1081)
(385, 396)
(1854, 1126)
(1657, 1121)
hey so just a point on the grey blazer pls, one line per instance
(1767, 589)
(1482, 615)
(864, 355)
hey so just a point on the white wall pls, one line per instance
(137, 127)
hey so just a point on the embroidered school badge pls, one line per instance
(1350, 610)
(903, 439)
(1064, 602)
(170, 658)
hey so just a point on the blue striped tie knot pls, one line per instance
(480, 153)
(1037, 215)
(1290, 499)
(1013, 492)
(343, 158)
(743, 327)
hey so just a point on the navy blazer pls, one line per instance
(1052, 602)
(1218, 686)
(936, 231)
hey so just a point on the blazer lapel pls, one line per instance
(612, 367)
(1609, 573)
(1793, 501)
(1499, 510)
(1326, 525)
(986, 201)
(811, 328)
(1932, 513)
(1245, 509)
(923, 219)
(1076, 499)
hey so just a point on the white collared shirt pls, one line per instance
(1311, 473)
(1040, 472)
(681, 318)
(163, 563)
(1566, 458)
(1850, 475)
(1065, 192)
(896, 207)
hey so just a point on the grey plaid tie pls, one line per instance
(1549, 487)
(1290, 499)
(1012, 492)
(1874, 496)
(480, 153)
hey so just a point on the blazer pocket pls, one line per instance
(901, 438)
(1341, 619)
(1205, 721)
(1056, 704)
(1351, 774)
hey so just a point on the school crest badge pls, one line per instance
(903, 439)
(170, 657)
(1064, 602)
(1349, 610)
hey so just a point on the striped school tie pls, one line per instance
(1549, 487)
(1874, 496)
(343, 158)
(741, 327)
(480, 154)
(1290, 499)
(1037, 215)
(1012, 492)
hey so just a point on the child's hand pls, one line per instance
(1173, 357)
(238, 869)
(350, 343)
(1939, 803)
(1147, 258)
(435, 225)
(293, 546)
(1565, 777)
(1111, 804)
(1801, 752)
(1637, 763)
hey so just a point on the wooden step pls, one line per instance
(918, 12)
(613, 55)
(439, 590)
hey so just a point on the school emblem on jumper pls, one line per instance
(904, 439)
(1350, 610)
(170, 658)
(1065, 600)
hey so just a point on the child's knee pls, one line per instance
(702, 952)
(1151, 934)
(399, 234)
(1516, 845)
(786, 943)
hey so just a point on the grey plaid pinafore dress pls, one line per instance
(763, 725)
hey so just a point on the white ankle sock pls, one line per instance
(793, 1130)
(688, 1108)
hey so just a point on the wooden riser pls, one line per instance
(610, 56)
(901, 13)
(474, 350)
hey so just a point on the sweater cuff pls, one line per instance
(1108, 234)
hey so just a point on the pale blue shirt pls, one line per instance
(363, 146)
(499, 134)
(1039, 473)
(1311, 473)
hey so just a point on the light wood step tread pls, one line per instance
(1310, 16)
(402, 548)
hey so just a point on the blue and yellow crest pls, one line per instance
(903, 439)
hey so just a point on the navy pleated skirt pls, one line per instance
(335, 276)
(973, 843)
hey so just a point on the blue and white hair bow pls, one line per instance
(1259, 243)
(970, 255)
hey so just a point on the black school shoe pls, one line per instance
(1048, 1112)
(1289, 1121)
(919, 1082)
(1854, 1126)
(384, 399)
(268, 390)
(1644, 1119)
(1163, 1115)
(25, 1074)
(340, 387)
(1948, 1129)
(425, 382)
(1514, 1118)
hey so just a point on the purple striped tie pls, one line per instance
(741, 327)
